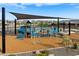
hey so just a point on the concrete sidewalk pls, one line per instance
(62, 51)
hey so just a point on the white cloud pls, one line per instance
(72, 4)
(75, 5)
(38, 5)
(24, 5)
(17, 5)
(12, 4)
(41, 4)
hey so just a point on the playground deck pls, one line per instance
(14, 45)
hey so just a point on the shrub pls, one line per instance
(12, 55)
(43, 53)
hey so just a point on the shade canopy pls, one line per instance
(28, 16)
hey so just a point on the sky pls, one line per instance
(69, 10)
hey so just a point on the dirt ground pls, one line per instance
(14, 45)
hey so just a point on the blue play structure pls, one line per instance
(53, 31)
(21, 32)
(34, 32)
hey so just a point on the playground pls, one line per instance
(31, 37)
(28, 39)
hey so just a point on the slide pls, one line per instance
(21, 32)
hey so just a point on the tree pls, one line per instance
(42, 24)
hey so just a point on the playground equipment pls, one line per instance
(24, 32)
(28, 31)
(21, 32)
(53, 31)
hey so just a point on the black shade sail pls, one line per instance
(28, 16)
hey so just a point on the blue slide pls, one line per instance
(21, 32)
